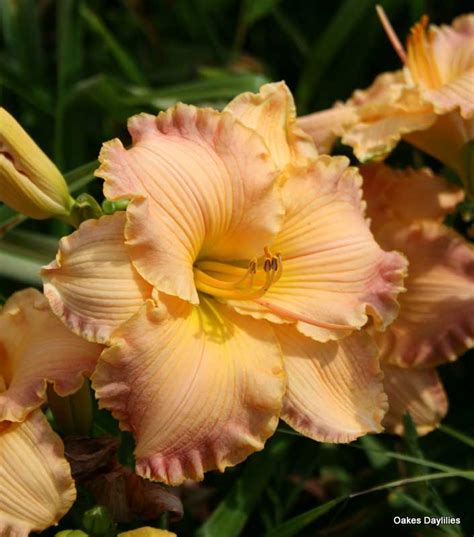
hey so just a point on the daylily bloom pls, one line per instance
(36, 487)
(429, 103)
(436, 320)
(29, 182)
(146, 531)
(226, 288)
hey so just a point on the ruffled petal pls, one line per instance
(418, 392)
(147, 531)
(334, 389)
(92, 285)
(374, 140)
(200, 387)
(406, 195)
(36, 487)
(327, 126)
(386, 110)
(436, 321)
(202, 185)
(455, 94)
(334, 273)
(49, 353)
(272, 113)
(453, 53)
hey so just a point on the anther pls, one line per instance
(241, 288)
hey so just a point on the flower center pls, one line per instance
(224, 280)
(421, 59)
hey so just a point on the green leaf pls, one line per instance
(122, 100)
(297, 523)
(120, 54)
(81, 176)
(18, 266)
(427, 493)
(326, 47)
(375, 451)
(462, 437)
(233, 512)
(23, 253)
(69, 60)
(9, 219)
(254, 10)
(33, 94)
(21, 32)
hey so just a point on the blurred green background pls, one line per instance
(72, 72)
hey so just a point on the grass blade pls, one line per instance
(233, 512)
(462, 437)
(124, 61)
(69, 59)
(326, 47)
(294, 525)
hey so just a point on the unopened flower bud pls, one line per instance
(29, 181)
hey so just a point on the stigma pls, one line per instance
(224, 280)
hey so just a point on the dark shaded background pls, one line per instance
(72, 72)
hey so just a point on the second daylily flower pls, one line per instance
(429, 103)
(435, 325)
(230, 289)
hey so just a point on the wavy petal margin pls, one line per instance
(147, 531)
(436, 321)
(36, 348)
(418, 392)
(92, 285)
(36, 487)
(452, 72)
(200, 387)
(334, 273)
(406, 195)
(202, 185)
(272, 114)
(327, 126)
(335, 391)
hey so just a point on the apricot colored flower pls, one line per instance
(436, 320)
(36, 487)
(430, 103)
(146, 531)
(227, 287)
(29, 182)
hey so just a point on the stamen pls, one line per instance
(392, 36)
(243, 287)
(421, 61)
(279, 269)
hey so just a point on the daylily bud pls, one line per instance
(29, 181)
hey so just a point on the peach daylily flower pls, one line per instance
(146, 531)
(430, 103)
(36, 487)
(436, 323)
(227, 287)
